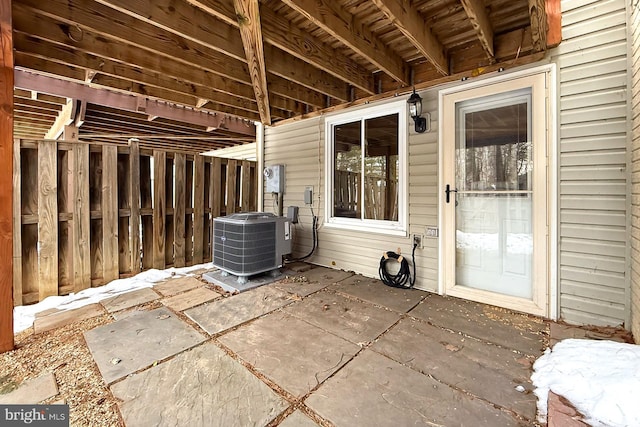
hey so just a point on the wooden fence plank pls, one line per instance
(146, 204)
(29, 232)
(206, 226)
(65, 217)
(168, 220)
(246, 186)
(17, 227)
(110, 212)
(159, 208)
(134, 221)
(95, 212)
(47, 219)
(217, 191)
(198, 209)
(124, 214)
(232, 190)
(179, 211)
(81, 219)
(188, 222)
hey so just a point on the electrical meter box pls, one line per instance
(274, 176)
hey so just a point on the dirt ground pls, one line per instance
(64, 353)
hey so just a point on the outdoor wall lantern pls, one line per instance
(415, 110)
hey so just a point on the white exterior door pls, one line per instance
(494, 184)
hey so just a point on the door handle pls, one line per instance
(448, 192)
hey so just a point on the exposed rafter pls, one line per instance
(30, 81)
(329, 16)
(481, 24)
(248, 14)
(66, 117)
(408, 21)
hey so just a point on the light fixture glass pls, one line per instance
(415, 111)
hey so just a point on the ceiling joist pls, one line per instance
(248, 14)
(30, 81)
(481, 24)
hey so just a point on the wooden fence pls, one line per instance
(86, 214)
(380, 196)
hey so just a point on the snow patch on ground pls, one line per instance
(601, 379)
(23, 316)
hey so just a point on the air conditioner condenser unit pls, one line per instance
(246, 244)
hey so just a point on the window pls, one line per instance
(366, 168)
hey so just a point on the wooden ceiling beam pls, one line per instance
(248, 14)
(124, 31)
(279, 33)
(40, 83)
(481, 24)
(173, 64)
(538, 16)
(237, 95)
(408, 21)
(184, 20)
(65, 118)
(349, 30)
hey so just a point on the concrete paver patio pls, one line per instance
(322, 347)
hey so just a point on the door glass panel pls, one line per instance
(494, 232)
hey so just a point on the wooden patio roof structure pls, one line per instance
(197, 74)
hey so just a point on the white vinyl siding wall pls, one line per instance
(592, 87)
(634, 40)
(300, 147)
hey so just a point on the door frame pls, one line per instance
(546, 305)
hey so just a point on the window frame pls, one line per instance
(396, 228)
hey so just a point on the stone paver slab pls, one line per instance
(32, 391)
(497, 325)
(177, 285)
(298, 419)
(373, 390)
(222, 314)
(294, 354)
(376, 292)
(356, 321)
(325, 275)
(62, 318)
(200, 387)
(129, 299)
(299, 287)
(135, 342)
(190, 299)
(484, 370)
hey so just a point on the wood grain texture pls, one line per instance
(146, 205)
(179, 211)
(168, 219)
(134, 219)
(17, 227)
(217, 189)
(159, 208)
(47, 219)
(232, 188)
(554, 23)
(481, 24)
(246, 186)
(81, 218)
(188, 221)
(124, 214)
(6, 177)
(198, 209)
(410, 23)
(248, 14)
(538, 14)
(110, 212)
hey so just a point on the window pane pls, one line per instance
(381, 169)
(347, 169)
(497, 146)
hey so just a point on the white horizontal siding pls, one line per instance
(634, 38)
(592, 120)
(300, 147)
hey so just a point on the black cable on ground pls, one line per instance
(400, 279)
